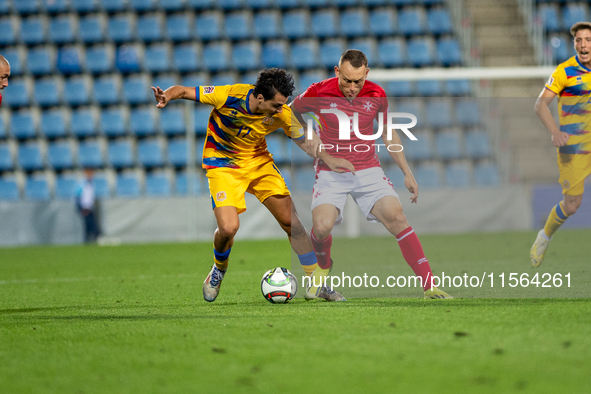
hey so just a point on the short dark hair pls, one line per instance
(579, 26)
(355, 57)
(272, 81)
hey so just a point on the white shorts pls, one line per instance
(366, 187)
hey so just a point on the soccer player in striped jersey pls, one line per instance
(571, 82)
(4, 74)
(237, 161)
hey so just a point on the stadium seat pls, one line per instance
(60, 156)
(158, 185)
(429, 88)
(317, 3)
(182, 186)
(150, 27)
(150, 153)
(129, 58)
(114, 122)
(172, 5)
(305, 178)
(325, 23)
(8, 31)
(573, 13)
(422, 148)
(247, 56)
(448, 144)
(102, 187)
(202, 4)
(90, 154)
(305, 54)
(187, 57)
(56, 6)
(217, 56)
(486, 174)
(411, 21)
(550, 17)
(65, 187)
(460, 87)
(30, 157)
(367, 46)
(267, 24)
(142, 121)
(221, 79)
(20, 93)
(83, 123)
(395, 175)
(195, 80)
(238, 25)
(53, 124)
(165, 81)
(298, 156)
(421, 52)
(561, 47)
(92, 29)
(158, 58)
(449, 52)
(287, 4)
(69, 60)
(15, 57)
(276, 54)
(229, 5)
(297, 24)
(107, 89)
(201, 114)
(6, 158)
(457, 175)
(47, 92)
(439, 112)
(26, 7)
(2, 129)
(37, 188)
(400, 88)
(331, 51)
(428, 176)
(41, 60)
(401, 3)
(439, 21)
(354, 22)
(9, 190)
(22, 125)
(33, 30)
(392, 52)
(477, 144)
(136, 89)
(177, 152)
(467, 112)
(63, 29)
(413, 106)
(383, 22)
(275, 147)
(77, 91)
(309, 77)
(113, 6)
(259, 4)
(120, 154)
(121, 28)
(128, 185)
(172, 121)
(143, 5)
(180, 27)
(209, 26)
(100, 59)
(84, 6)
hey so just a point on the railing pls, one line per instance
(463, 28)
(534, 27)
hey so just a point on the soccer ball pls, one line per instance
(279, 285)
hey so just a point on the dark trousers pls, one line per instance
(91, 228)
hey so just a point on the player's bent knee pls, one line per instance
(228, 230)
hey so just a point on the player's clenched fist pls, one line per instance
(160, 97)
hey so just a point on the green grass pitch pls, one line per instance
(131, 319)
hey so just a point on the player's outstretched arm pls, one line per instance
(542, 109)
(400, 160)
(173, 93)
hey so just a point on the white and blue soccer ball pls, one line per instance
(279, 285)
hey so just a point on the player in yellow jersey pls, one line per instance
(236, 160)
(571, 82)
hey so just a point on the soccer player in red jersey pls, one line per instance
(4, 74)
(352, 94)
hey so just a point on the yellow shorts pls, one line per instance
(574, 168)
(228, 185)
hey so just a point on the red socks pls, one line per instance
(412, 251)
(322, 250)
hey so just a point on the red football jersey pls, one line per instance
(369, 103)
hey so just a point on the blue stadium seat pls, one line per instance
(30, 157)
(421, 149)
(429, 88)
(6, 159)
(449, 52)
(83, 123)
(8, 32)
(354, 22)
(172, 121)
(56, 6)
(128, 185)
(9, 190)
(247, 56)
(440, 112)
(114, 122)
(150, 153)
(325, 23)
(345, 3)
(457, 175)
(172, 5)
(486, 174)
(65, 187)
(37, 188)
(158, 185)
(90, 154)
(41, 60)
(84, 6)
(309, 77)
(20, 93)
(165, 81)
(439, 21)
(120, 154)
(195, 80)
(275, 147)
(228, 5)
(33, 30)
(411, 21)
(60, 156)
(550, 17)
(100, 59)
(316, 3)
(69, 60)
(222, 79)
(22, 125)
(180, 27)
(209, 26)
(260, 4)
(421, 52)
(2, 129)
(573, 13)
(401, 3)
(561, 47)
(467, 112)
(238, 25)
(121, 28)
(477, 144)
(383, 22)
(142, 121)
(400, 88)
(304, 54)
(150, 27)
(25, 7)
(47, 92)
(158, 58)
(392, 52)
(77, 91)
(460, 87)
(187, 57)
(287, 4)
(107, 89)
(298, 156)
(53, 124)
(182, 186)
(428, 176)
(276, 54)
(177, 152)
(267, 24)
(217, 56)
(331, 51)
(448, 144)
(202, 4)
(305, 178)
(112, 6)
(62, 29)
(92, 29)
(15, 57)
(136, 89)
(396, 176)
(201, 114)
(297, 24)
(143, 5)
(102, 188)
(129, 58)
(369, 47)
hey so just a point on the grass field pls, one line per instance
(132, 319)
